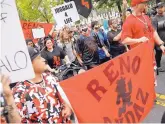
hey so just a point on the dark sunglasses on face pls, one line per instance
(85, 29)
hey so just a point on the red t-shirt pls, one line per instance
(134, 28)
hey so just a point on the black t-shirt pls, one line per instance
(54, 57)
(100, 41)
(155, 21)
(111, 35)
(116, 48)
(89, 56)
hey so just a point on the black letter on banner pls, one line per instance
(3, 65)
(136, 64)
(63, 8)
(67, 7)
(97, 88)
(138, 109)
(110, 75)
(141, 95)
(66, 14)
(107, 120)
(128, 115)
(10, 65)
(56, 10)
(124, 64)
(71, 6)
(21, 52)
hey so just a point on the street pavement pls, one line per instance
(156, 113)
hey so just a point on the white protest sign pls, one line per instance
(65, 14)
(38, 33)
(14, 59)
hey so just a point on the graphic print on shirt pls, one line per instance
(56, 60)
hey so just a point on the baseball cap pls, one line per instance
(33, 52)
(135, 2)
(160, 5)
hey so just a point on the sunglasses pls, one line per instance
(85, 29)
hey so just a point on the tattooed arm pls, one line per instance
(13, 115)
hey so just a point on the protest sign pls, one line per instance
(14, 59)
(65, 14)
(28, 26)
(119, 91)
(38, 33)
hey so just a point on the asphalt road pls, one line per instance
(156, 113)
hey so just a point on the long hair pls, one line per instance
(62, 36)
(45, 41)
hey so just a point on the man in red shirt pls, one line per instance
(138, 27)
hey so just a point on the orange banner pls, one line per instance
(121, 90)
(28, 26)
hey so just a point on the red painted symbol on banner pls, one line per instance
(85, 3)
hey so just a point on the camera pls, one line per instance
(161, 25)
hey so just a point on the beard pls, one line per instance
(161, 12)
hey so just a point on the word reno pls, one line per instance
(112, 75)
(124, 94)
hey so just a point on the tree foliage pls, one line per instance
(118, 3)
(37, 10)
(110, 3)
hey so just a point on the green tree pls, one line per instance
(110, 3)
(37, 10)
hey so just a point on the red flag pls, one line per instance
(121, 90)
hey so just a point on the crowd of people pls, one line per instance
(39, 100)
(83, 45)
